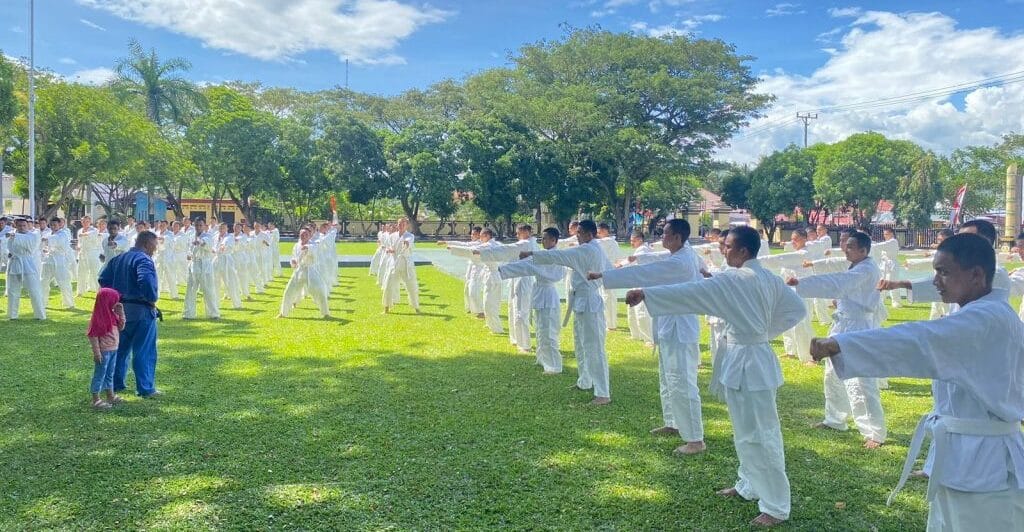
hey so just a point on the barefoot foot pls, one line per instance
(764, 520)
(690, 448)
(664, 431)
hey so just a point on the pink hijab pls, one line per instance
(103, 318)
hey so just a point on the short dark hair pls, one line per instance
(984, 228)
(114, 222)
(553, 232)
(971, 251)
(847, 231)
(588, 226)
(574, 222)
(56, 219)
(715, 231)
(144, 238)
(747, 238)
(476, 229)
(725, 233)
(526, 227)
(605, 226)
(637, 234)
(680, 227)
(946, 233)
(863, 240)
(488, 230)
(800, 232)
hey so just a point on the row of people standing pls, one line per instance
(394, 266)
(314, 264)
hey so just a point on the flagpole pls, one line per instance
(31, 108)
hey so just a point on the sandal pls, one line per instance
(100, 404)
(116, 400)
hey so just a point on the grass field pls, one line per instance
(399, 422)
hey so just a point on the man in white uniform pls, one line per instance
(610, 247)
(201, 274)
(224, 267)
(677, 336)
(275, 249)
(22, 270)
(521, 288)
(306, 278)
(401, 269)
(975, 357)
(890, 247)
(57, 262)
(939, 309)
(585, 302)
(640, 322)
(822, 310)
(89, 248)
(796, 341)
(487, 275)
(757, 306)
(858, 298)
(544, 301)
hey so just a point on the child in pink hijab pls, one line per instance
(104, 334)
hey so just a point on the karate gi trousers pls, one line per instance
(757, 436)
(168, 273)
(640, 323)
(548, 324)
(588, 330)
(797, 341)
(956, 511)
(201, 278)
(677, 382)
(403, 273)
(227, 281)
(519, 301)
(57, 271)
(475, 286)
(30, 282)
(857, 398)
(306, 279)
(611, 308)
(822, 311)
(492, 302)
(138, 340)
(88, 271)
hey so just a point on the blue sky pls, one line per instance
(810, 54)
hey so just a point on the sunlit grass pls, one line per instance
(402, 421)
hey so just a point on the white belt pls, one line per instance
(942, 425)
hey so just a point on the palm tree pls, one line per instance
(168, 97)
(166, 94)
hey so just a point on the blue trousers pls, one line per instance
(139, 340)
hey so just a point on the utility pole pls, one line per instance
(806, 118)
(32, 109)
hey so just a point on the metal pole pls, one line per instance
(3, 153)
(31, 108)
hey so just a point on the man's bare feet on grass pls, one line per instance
(764, 520)
(690, 448)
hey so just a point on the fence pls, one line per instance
(908, 238)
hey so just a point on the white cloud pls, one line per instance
(610, 7)
(885, 55)
(841, 12)
(364, 31)
(685, 26)
(92, 24)
(67, 61)
(783, 9)
(92, 76)
(17, 29)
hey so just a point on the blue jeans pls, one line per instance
(139, 340)
(103, 373)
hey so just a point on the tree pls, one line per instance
(422, 170)
(781, 182)
(734, 189)
(8, 107)
(626, 108)
(236, 148)
(857, 172)
(918, 191)
(168, 98)
(983, 170)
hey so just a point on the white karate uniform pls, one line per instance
(641, 325)
(520, 289)
(23, 272)
(765, 249)
(891, 249)
(388, 260)
(89, 248)
(377, 255)
(243, 264)
(166, 262)
(822, 307)
(976, 359)
(57, 263)
(224, 270)
(112, 248)
(275, 251)
(757, 306)
(611, 250)
(546, 307)
(201, 277)
(306, 279)
(939, 309)
(797, 341)
(584, 301)
(489, 282)
(401, 271)
(858, 298)
(677, 336)
(266, 256)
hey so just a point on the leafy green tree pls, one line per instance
(235, 147)
(734, 189)
(918, 192)
(781, 182)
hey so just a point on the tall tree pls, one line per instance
(168, 98)
(918, 191)
(779, 184)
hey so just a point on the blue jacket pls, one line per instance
(133, 274)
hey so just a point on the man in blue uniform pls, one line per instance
(133, 274)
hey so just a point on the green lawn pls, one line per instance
(398, 422)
